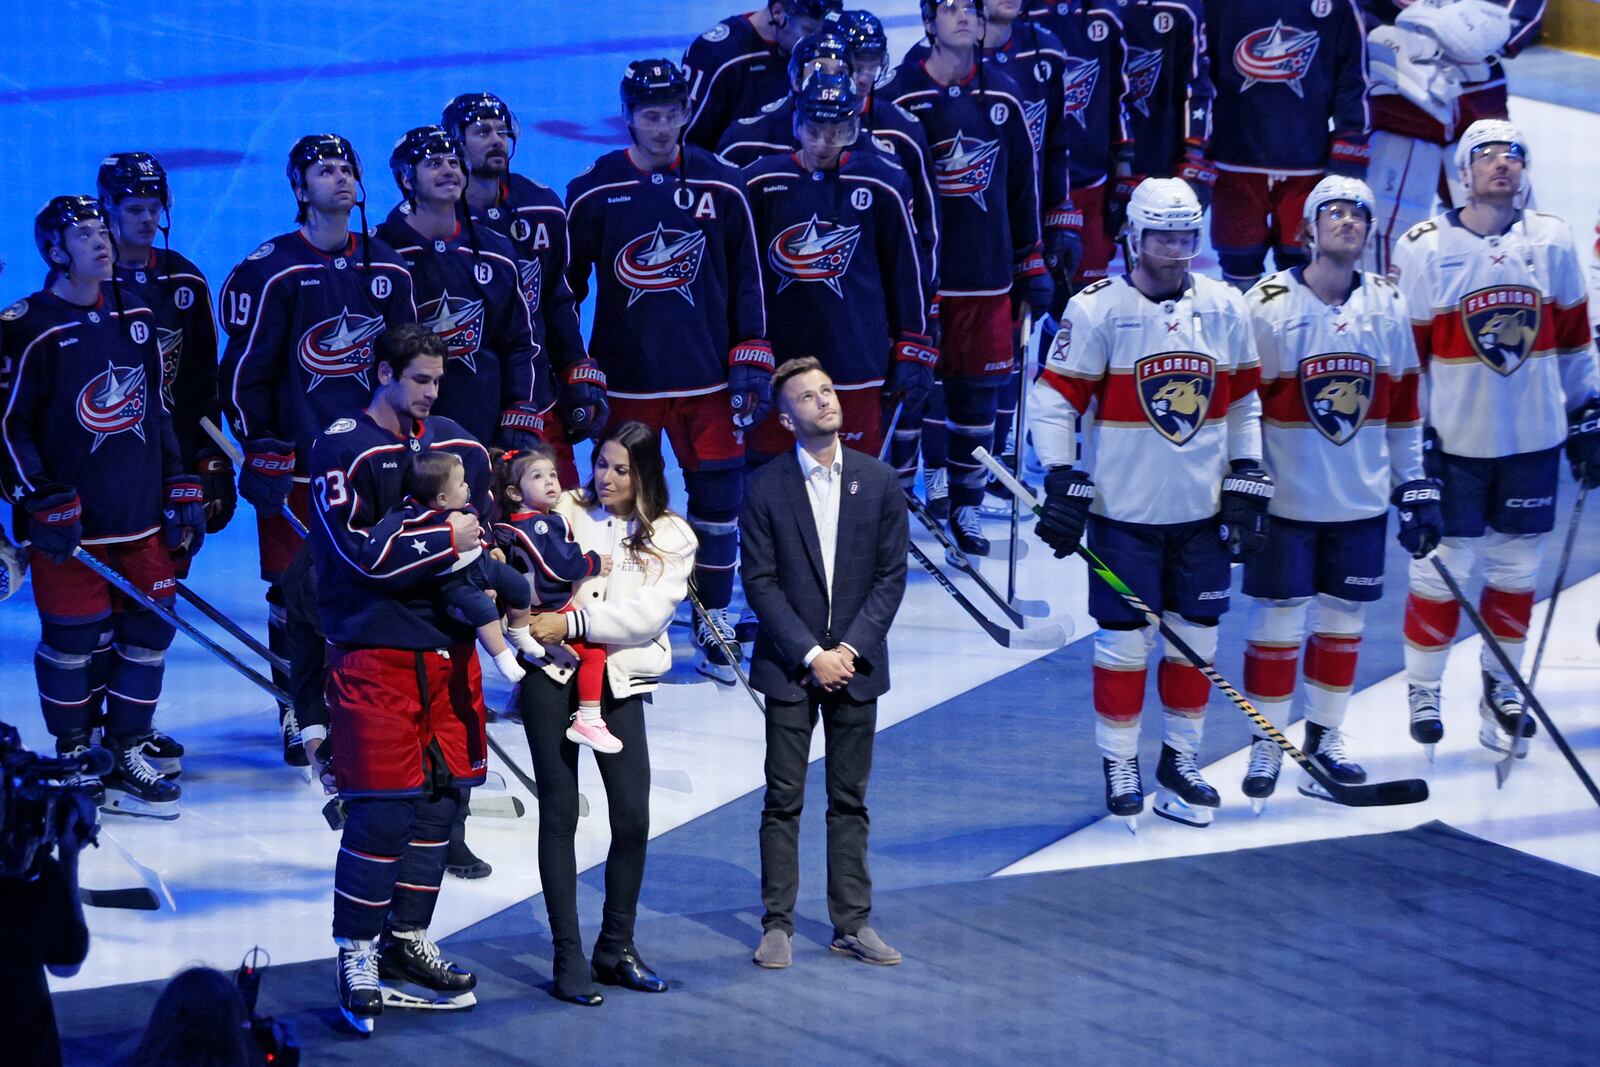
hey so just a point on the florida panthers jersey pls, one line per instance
(84, 409)
(983, 164)
(1169, 83)
(1502, 326)
(377, 566)
(677, 278)
(173, 288)
(1166, 394)
(732, 72)
(1341, 426)
(1094, 89)
(839, 258)
(473, 299)
(302, 325)
(1282, 69)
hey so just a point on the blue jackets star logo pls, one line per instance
(1275, 54)
(965, 166)
(813, 251)
(665, 261)
(458, 322)
(113, 402)
(1143, 71)
(339, 347)
(1081, 77)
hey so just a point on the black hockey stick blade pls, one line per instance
(136, 898)
(1375, 795)
(961, 561)
(153, 881)
(1052, 636)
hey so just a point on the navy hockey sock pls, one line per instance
(63, 677)
(99, 674)
(714, 498)
(935, 444)
(375, 834)
(138, 662)
(972, 405)
(421, 868)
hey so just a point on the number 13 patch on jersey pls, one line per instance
(1175, 390)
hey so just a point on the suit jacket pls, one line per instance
(781, 565)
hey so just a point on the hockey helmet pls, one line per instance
(468, 108)
(930, 8)
(829, 98)
(812, 9)
(1337, 187)
(61, 214)
(416, 146)
(862, 32)
(315, 147)
(652, 83)
(1487, 132)
(816, 48)
(1163, 205)
(132, 174)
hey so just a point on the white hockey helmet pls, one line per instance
(1164, 205)
(1336, 187)
(1485, 132)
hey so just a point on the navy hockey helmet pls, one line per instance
(468, 108)
(930, 8)
(652, 83)
(319, 146)
(863, 33)
(827, 98)
(414, 147)
(61, 214)
(829, 45)
(811, 9)
(132, 174)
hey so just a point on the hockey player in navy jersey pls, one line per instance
(1159, 368)
(1284, 72)
(991, 263)
(679, 327)
(740, 64)
(91, 460)
(1168, 102)
(137, 200)
(841, 271)
(533, 217)
(771, 129)
(302, 313)
(468, 291)
(404, 687)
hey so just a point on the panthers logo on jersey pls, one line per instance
(1502, 325)
(458, 322)
(529, 276)
(339, 347)
(663, 261)
(1277, 55)
(964, 166)
(1081, 77)
(113, 402)
(1337, 390)
(1175, 390)
(1144, 70)
(813, 251)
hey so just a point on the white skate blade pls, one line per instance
(1428, 750)
(361, 1024)
(1497, 740)
(412, 996)
(119, 803)
(1258, 805)
(1171, 806)
(1130, 822)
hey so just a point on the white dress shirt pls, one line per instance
(822, 490)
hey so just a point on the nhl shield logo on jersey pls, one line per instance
(340, 347)
(1337, 390)
(1502, 324)
(1275, 54)
(1143, 71)
(113, 402)
(964, 166)
(663, 261)
(1175, 391)
(813, 251)
(1081, 77)
(458, 322)
(529, 276)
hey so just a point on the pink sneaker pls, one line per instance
(596, 736)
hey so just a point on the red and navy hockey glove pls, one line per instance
(1031, 285)
(55, 521)
(522, 425)
(268, 473)
(1417, 505)
(1200, 173)
(1246, 494)
(1067, 496)
(911, 373)
(584, 411)
(1117, 204)
(183, 513)
(1349, 158)
(222, 499)
(1063, 242)
(1583, 443)
(750, 367)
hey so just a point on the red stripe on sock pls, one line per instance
(1269, 670)
(1183, 688)
(1431, 623)
(1506, 614)
(1331, 660)
(1118, 695)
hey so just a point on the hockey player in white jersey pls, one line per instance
(1343, 440)
(1158, 369)
(1497, 300)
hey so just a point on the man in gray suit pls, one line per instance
(824, 567)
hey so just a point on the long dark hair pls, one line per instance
(648, 472)
(198, 1021)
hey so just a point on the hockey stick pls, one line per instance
(1017, 611)
(278, 663)
(1405, 791)
(236, 457)
(171, 618)
(138, 898)
(1531, 701)
(1019, 432)
(1050, 636)
(157, 887)
(735, 657)
(527, 780)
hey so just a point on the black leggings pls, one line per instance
(547, 707)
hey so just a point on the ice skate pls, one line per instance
(966, 527)
(1183, 795)
(414, 975)
(356, 972)
(1261, 777)
(1426, 727)
(163, 753)
(1502, 718)
(1325, 746)
(714, 662)
(1124, 795)
(134, 788)
(937, 485)
(75, 746)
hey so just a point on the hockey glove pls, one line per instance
(1583, 443)
(1117, 205)
(183, 512)
(750, 367)
(1421, 519)
(521, 426)
(222, 499)
(1246, 493)
(911, 373)
(1349, 158)
(1200, 173)
(584, 411)
(1067, 496)
(1432, 457)
(1031, 287)
(268, 474)
(55, 521)
(1063, 243)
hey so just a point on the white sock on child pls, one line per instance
(506, 660)
(589, 714)
(521, 639)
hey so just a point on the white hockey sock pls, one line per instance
(1425, 666)
(1182, 732)
(1117, 740)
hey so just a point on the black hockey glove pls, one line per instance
(1246, 493)
(222, 499)
(55, 521)
(584, 411)
(268, 473)
(183, 513)
(1067, 496)
(522, 425)
(1116, 206)
(911, 370)
(1417, 504)
(1200, 173)
(1063, 243)
(750, 367)
(1031, 287)
(1583, 443)
(1432, 457)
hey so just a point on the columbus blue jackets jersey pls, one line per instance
(983, 163)
(175, 291)
(732, 71)
(1093, 87)
(540, 544)
(677, 279)
(377, 566)
(473, 299)
(1169, 83)
(302, 325)
(84, 409)
(1282, 69)
(839, 261)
